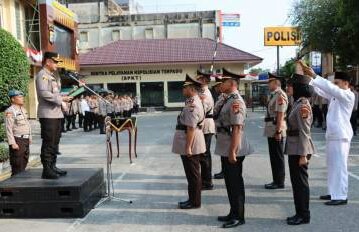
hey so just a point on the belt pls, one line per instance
(226, 130)
(209, 116)
(293, 133)
(184, 128)
(269, 119)
(23, 136)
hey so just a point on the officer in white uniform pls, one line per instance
(339, 132)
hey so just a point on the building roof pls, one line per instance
(165, 51)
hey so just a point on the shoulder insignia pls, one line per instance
(304, 111)
(281, 99)
(236, 106)
(8, 114)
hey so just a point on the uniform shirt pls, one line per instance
(84, 106)
(74, 109)
(232, 113)
(102, 107)
(48, 95)
(109, 107)
(116, 104)
(278, 102)
(16, 123)
(192, 115)
(208, 105)
(300, 119)
(341, 104)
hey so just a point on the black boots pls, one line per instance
(49, 173)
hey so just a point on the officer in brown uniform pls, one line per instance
(18, 132)
(208, 129)
(50, 114)
(275, 130)
(232, 148)
(189, 141)
(299, 146)
(216, 110)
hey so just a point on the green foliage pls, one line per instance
(2, 128)
(330, 26)
(14, 68)
(256, 71)
(4, 153)
(288, 69)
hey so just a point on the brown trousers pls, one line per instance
(192, 169)
(19, 158)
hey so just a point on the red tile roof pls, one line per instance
(164, 51)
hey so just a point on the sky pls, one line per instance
(255, 15)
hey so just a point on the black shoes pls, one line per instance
(219, 175)
(59, 171)
(233, 223)
(337, 202)
(49, 173)
(225, 218)
(325, 197)
(208, 187)
(297, 220)
(187, 205)
(274, 186)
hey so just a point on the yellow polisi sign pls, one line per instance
(282, 36)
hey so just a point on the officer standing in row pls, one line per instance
(50, 115)
(275, 130)
(299, 146)
(189, 141)
(208, 129)
(18, 132)
(216, 110)
(230, 146)
(102, 113)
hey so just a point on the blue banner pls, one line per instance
(230, 24)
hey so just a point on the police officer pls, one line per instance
(216, 110)
(50, 114)
(18, 132)
(208, 129)
(230, 146)
(189, 141)
(275, 130)
(102, 114)
(299, 146)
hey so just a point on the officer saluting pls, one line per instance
(208, 129)
(189, 141)
(232, 147)
(299, 146)
(275, 130)
(18, 132)
(50, 114)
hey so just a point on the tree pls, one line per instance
(330, 26)
(256, 71)
(288, 69)
(14, 69)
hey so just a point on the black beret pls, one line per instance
(299, 79)
(204, 74)
(230, 75)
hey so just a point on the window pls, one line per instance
(175, 92)
(84, 37)
(149, 33)
(18, 20)
(116, 35)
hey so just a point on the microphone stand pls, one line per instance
(110, 196)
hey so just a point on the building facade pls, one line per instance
(100, 24)
(154, 70)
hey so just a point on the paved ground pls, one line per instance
(156, 183)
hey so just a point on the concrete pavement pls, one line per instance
(156, 182)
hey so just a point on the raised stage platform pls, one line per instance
(26, 195)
